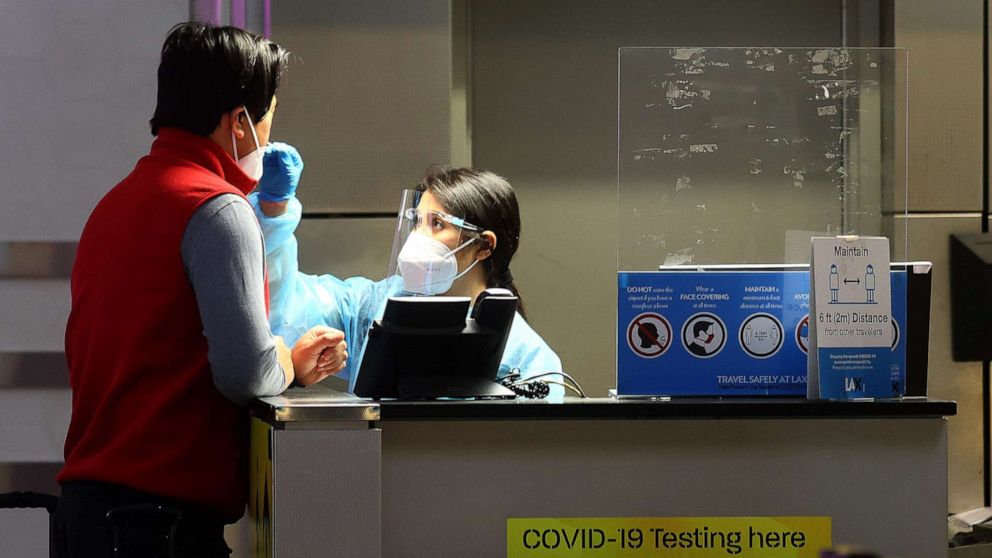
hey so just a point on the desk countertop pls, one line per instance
(320, 404)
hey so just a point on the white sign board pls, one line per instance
(851, 305)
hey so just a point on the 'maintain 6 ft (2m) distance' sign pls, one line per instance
(723, 332)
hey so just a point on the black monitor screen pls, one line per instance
(429, 347)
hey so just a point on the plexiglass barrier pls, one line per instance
(740, 155)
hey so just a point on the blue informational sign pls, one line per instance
(721, 333)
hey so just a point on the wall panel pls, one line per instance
(929, 238)
(366, 99)
(346, 247)
(79, 88)
(945, 102)
(34, 315)
(945, 176)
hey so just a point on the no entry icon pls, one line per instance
(649, 335)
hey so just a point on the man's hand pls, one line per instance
(319, 353)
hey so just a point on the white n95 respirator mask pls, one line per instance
(251, 163)
(427, 266)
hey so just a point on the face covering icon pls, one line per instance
(427, 266)
(704, 335)
(252, 162)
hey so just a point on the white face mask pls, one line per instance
(428, 267)
(252, 162)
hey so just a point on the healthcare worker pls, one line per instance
(466, 232)
(167, 338)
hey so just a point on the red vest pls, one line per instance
(145, 412)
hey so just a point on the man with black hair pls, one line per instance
(649, 335)
(168, 336)
(702, 336)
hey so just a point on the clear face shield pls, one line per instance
(408, 200)
(427, 262)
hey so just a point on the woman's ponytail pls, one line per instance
(505, 280)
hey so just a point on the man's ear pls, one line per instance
(487, 244)
(237, 117)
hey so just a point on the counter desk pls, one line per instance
(336, 475)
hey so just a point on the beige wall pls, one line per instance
(366, 99)
(945, 193)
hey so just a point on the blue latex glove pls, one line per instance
(281, 169)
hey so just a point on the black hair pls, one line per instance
(207, 71)
(486, 200)
(652, 330)
(699, 327)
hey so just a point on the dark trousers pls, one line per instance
(140, 524)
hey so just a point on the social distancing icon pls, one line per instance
(704, 335)
(862, 292)
(761, 335)
(649, 335)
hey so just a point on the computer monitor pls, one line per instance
(429, 347)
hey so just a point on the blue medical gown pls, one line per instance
(299, 301)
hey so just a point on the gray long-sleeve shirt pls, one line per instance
(223, 253)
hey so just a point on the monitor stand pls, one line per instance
(433, 387)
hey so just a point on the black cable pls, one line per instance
(573, 383)
(565, 385)
(529, 390)
(515, 378)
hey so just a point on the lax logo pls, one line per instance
(854, 384)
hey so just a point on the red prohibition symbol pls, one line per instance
(649, 335)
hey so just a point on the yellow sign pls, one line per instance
(690, 537)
